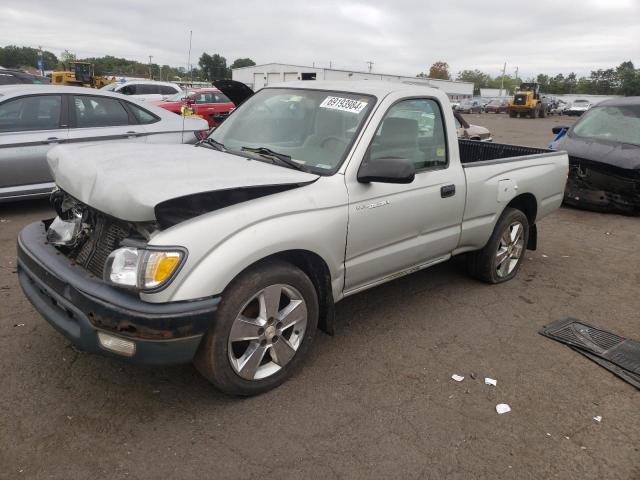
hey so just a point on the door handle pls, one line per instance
(52, 140)
(132, 134)
(447, 191)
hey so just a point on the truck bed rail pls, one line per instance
(472, 151)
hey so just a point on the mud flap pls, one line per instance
(617, 354)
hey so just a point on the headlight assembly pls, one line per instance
(142, 269)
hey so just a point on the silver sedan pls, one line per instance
(36, 118)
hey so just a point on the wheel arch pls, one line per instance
(317, 269)
(527, 204)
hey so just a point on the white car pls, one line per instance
(147, 90)
(578, 107)
(36, 118)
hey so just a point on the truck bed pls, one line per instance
(472, 151)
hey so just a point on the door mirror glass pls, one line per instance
(387, 170)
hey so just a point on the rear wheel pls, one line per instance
(513, 114)
(501, 258)
(263, 328)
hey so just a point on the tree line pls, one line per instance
(621, 80)
(210, 67)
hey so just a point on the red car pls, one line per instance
(209, 103)
(496, 106)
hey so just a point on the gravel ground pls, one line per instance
(374, 401)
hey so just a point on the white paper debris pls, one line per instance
(457, 378)
(502, 408)
(545, 256)
(598, 418)
(490, 381)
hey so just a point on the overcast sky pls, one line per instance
(399, 36)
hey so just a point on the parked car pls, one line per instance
(231, 253)
(34, 119)
(604, 157)
(470, 106)
(13, 77)
(208, 103)
(497, 106)
(147, 90)
(471, 132)
(578, 107)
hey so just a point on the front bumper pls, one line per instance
(79, 305)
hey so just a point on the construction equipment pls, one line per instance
(79, 74)
(528, 101)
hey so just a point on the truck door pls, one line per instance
(394, 228)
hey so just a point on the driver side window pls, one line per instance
(412, 129)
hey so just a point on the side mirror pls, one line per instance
(386, 170)
(190, 100)
(557, 130)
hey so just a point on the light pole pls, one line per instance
(150, 74)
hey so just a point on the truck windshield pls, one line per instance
(314, 128)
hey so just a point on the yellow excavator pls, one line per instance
(79, 74)
(528, 101)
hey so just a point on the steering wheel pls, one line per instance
(332, 138)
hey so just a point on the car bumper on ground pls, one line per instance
(98, 318)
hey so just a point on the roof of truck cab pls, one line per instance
(368, 87)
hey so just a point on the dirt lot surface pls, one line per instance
(374, 401)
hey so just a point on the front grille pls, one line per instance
(104, 237)
(520, 100)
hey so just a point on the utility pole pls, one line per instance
(189, 66)
(517, 73)
(150, 74)
(504, 69)
(370, 63)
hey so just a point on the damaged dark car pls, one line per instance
(604, 157)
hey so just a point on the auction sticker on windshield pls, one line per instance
(343, 104)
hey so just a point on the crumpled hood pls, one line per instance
(621, 155)
(128, 180)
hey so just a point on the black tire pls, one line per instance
(512, 114)
(543, 111)
(213, 357)
(483, 264)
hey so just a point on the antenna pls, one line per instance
(191, 71)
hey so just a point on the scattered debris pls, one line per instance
(567, 438)
(583, 448)
(598, 418)
(4, 220)
(457, 378)
(607, 233)
(545, 256)
(472, 375)
(19, 325)
(490, 381)
(548, 434)
(502, 408)
(565, 256)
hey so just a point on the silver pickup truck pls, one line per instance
(233, 252)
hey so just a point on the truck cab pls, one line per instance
(233, 252)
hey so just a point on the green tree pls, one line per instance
(629, 79)
(214, 67)
(242, 62)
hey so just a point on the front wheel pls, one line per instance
(501, 258)
(262, 330)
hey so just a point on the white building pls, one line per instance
(494, 92)
(258, 76)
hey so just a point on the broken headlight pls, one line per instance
(65, 232)
(142, 269)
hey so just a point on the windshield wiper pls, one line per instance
(285, 159)
(213, 143)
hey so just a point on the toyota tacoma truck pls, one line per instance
(233, 252)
